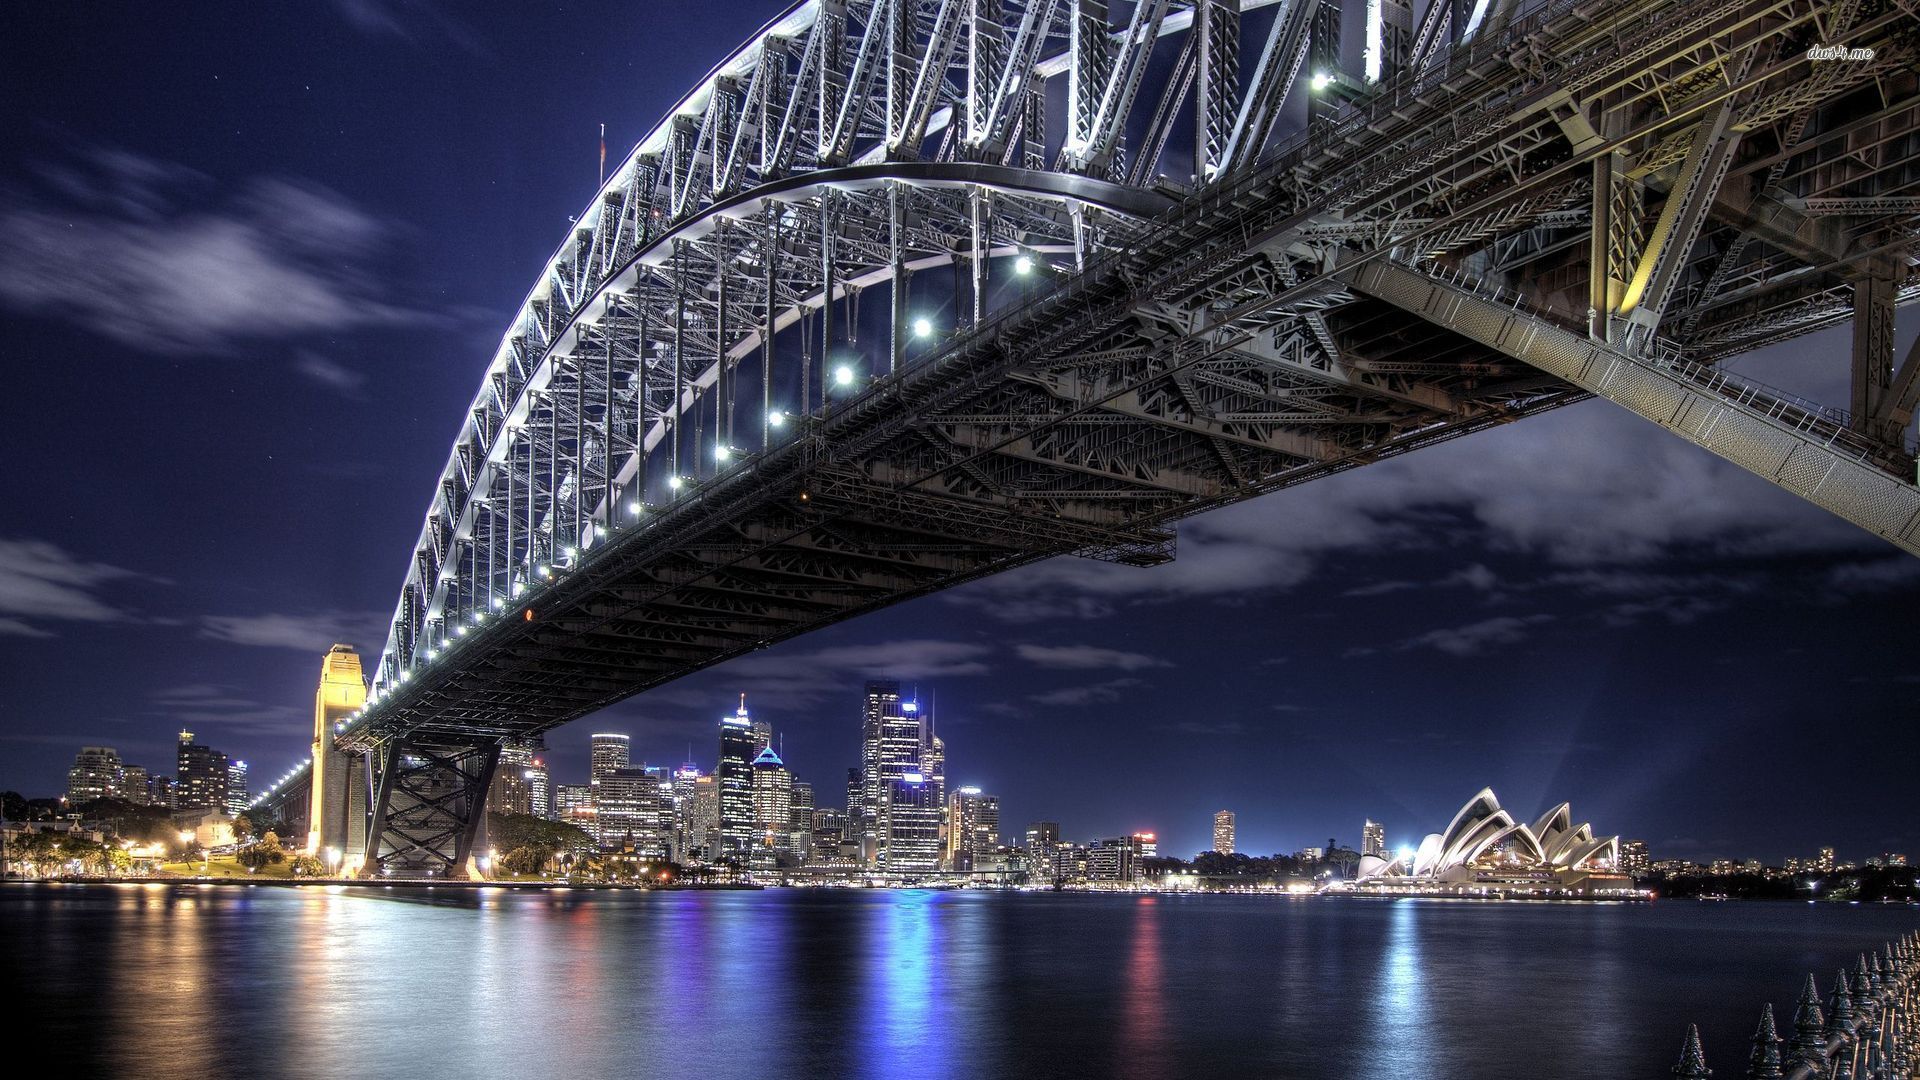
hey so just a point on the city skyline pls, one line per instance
(1577, 603)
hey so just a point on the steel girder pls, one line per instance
(1180, 348)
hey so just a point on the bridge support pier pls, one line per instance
(429, 806)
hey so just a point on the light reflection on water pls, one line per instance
(166, 981)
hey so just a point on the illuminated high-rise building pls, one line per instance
(628, 812)
(772, 803)
(1373, 839)
(762, 736)
(735, 773)
(800, 821)
(703, 816)
(202, 772)
(510, 792)
(1042, 838)
(1146, 845)
(973, 827)
(829, 835)
(1114, 860)
(1825, 862)
(237, 797)
(568, 798)
(909, 840)
(1223, 831)
(611, 751)
(96, 774)
(893, 746)
(336, 814)
(1634, 859)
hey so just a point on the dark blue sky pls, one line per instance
(254, 259)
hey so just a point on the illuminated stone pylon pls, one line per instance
(336, 823)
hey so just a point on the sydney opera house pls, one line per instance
(1486, 853)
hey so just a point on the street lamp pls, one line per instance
(1023, 265)
(923, 327)
(843, 375)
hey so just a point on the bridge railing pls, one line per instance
(1867, 1030)
(1834, 427)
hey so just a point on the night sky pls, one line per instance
(254, 259)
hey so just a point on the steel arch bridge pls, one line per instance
(909, 292)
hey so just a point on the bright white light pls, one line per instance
(776, 419)
(545, 570)
(1406, 853)
(496, 603)
(922, 327)
(843, 375)
(571, 553)
(721, 453)
(1023, 265)
(1321, 80)
(633, 509)
(675, 483)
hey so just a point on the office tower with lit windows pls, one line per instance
(237, 797)
(627, 812)
(933, 752)
(772, 803)
(1042, 838)
(1146, 845)
(800, 821)
(1114, 860)
(96, 774)
(735, 773)
(829, 834)
(568, 799)
(697, 800)
(201, 782)
(539, 789)
(973, 827)
(509, 792)
(762, 735)
(610, 751)
(1634, 859)
(1825, 863)
(880, 712)
(1223, 831)
(909, 826)
(1373, 839)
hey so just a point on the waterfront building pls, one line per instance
(202, 776)
(1373, 839)
(697, 801)
(96, 774)
(735, 772)
(570, 797)
(1070, 862)
(1894, 858)
(973, 827)
(909, 840)
(772, 803)
(1114, 860)
(1485, 851)
(829, 834)
(1633, 857)
(135, 784)
(611, 751)
(1146, 845)
(236, 789)
(1825, 861)
(1223, 831)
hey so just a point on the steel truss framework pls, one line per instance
(1166, 245)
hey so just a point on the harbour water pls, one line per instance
(180, 981)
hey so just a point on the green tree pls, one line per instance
(526, 860)
(242, 826)
(307, 866)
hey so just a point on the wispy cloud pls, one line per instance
(142, 252)
(1206, 727)
(308, 632)
(217, 705)
(1104, 693)
(1479, 637)
(414, 21)
(42, 582)
(329, 373)
(1086, 658)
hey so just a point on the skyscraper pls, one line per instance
(893, 747)
(627, 811)
(735, 773)
(1042, 838)
(909, 826)
(800, 821)
(237, 797)
(881, 706)
(539, 789)
(1223, 831)
(96, 774)
(772, 803)
(509, 793)
(973, 827)
(703, 816)
(610, 752)
(1373, 839)
(135, 784)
